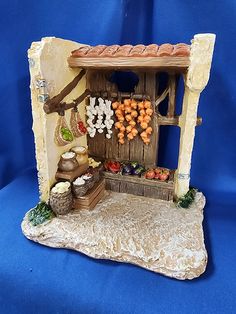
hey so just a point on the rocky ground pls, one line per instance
(151, 233)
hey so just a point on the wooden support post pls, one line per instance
(196, 79)
(172, 96)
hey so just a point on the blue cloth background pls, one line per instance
(37, 279)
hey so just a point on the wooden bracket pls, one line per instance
(163, 120)
(55, 105)
(171, 91)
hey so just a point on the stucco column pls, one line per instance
(195, 81)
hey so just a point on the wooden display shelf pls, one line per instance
(71, 175)
(91, 198)
(140, 186)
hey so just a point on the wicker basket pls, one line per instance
(96, 176)
(79, 190)
(61, 203)
(96, 172)
(90, 182)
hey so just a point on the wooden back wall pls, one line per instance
(104, 148)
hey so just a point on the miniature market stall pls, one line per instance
(91, 137)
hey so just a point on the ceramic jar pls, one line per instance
(68, 162)
(81, 154)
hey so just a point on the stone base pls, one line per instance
(153, 234)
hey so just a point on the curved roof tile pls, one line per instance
(152, 50)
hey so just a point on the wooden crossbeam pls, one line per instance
(163, 120)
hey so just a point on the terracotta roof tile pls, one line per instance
(153, 50)
(150, 51)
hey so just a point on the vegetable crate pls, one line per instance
(140, 186)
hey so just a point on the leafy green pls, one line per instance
(186, 200)
(41, 213)
(66, 134)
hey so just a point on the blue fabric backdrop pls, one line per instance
(42, 280)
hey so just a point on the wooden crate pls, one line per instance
(91, 198)
(140, 186)
(71, 175)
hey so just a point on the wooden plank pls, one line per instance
(155, 192)
(97, 145)
(89, 85)
(89, 196)
(138, 180)
(136, 189)
(76, 205)
(71, 175)
(162, 63)
(150, 151)
(111, 144)
(124, 186)
(136, 145)
(112, 185)
(172, 96)
(123, 150)
(122, 95)
(149, 191)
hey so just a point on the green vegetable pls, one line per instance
(134, 164)
(186, 200)
(41, 213)
(66, 134)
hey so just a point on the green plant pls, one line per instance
(40, 214)
(186, 200)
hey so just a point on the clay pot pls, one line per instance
(81, 154)
(68, 164)
(61, 203)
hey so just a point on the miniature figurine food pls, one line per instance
(61, 187)
(93, 163)
(79, 181)
(130, 114)
(81, 154)
(66, 134)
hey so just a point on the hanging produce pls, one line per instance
(99, 117)
(63, 135)
(77, 125)
(133, 117)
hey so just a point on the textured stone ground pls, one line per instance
(153, 234)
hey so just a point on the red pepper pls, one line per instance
(113, 166)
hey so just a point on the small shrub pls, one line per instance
(186, 200)
(41, 213)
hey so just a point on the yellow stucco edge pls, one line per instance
(196, 79)
(48, 63)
